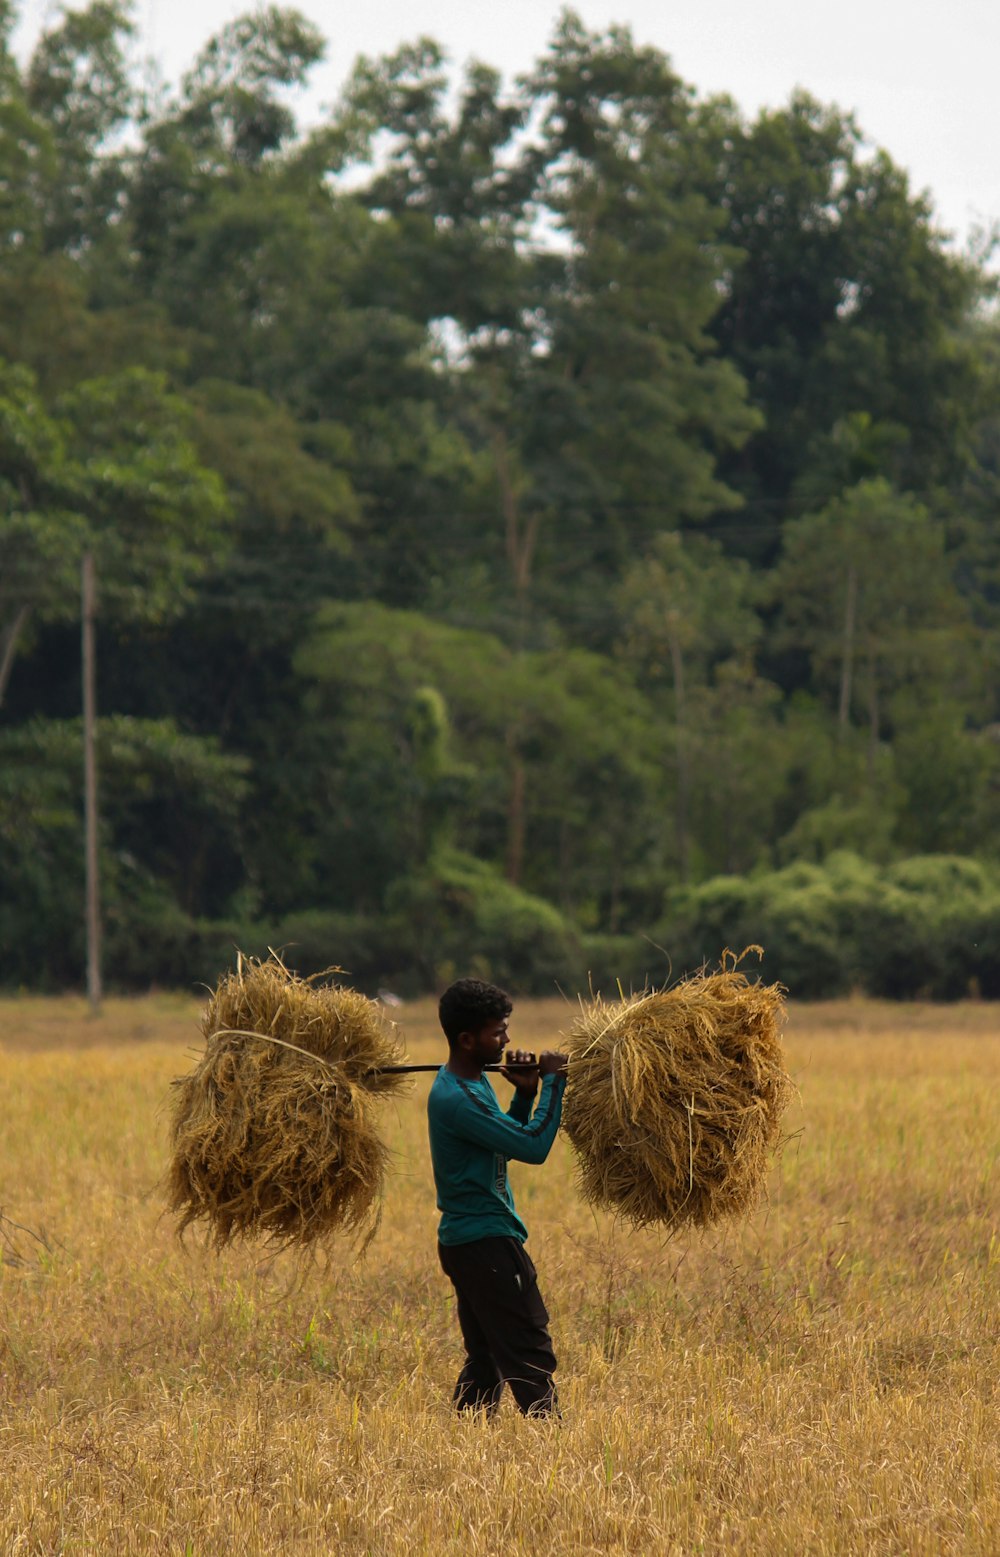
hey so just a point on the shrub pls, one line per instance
(629, 961)
(459, 917)
(790, 913)
(927, 927)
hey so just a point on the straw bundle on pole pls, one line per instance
(273, 1132)
(675, 1098)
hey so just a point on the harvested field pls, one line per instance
(821, 1380)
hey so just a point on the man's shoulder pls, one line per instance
(444, 1092)
(449, 1094)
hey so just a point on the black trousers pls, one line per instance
(504, 1326)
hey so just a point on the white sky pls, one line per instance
(920, 75)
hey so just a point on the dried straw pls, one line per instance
(675, 1098)
(273, 1132)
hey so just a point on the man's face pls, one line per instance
(487, 1045)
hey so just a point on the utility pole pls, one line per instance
(90, 786)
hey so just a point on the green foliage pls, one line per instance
(456, 195)
(539, 739)
(232, 104)
(513, 507)
(156, 514)
(41, 861)
(110, 469)
(28, 163)
(865, 589)
(458, 917)
(77, 85)
(844, 302)
(926, 927)
(685, 608)
(275, 468)
(160, 943)
(168, 838)
(42, 531)
(646, 405)
(616, 964)
(949, 773)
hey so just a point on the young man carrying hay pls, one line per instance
(503, 1319)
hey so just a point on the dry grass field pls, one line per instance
(824, 1380)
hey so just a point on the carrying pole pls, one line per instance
(411, 1070)
(379, 1070)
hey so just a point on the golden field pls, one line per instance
(823, 1380)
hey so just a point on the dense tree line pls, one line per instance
(519, 511)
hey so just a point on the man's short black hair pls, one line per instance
(469, 1005)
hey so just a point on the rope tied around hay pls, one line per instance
(266, 1142)
(675, 1098)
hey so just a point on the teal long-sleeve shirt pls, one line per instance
(471, 1144)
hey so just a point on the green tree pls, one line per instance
(232, 104)
(77, 85)
(972, 514)
(845, 302)
(949, 773)
(42, 533)
(27, 162)
(740, 759)
(454, 181)
(557, 755)
(169, 834)
(110, 469)
(686, 610)
(864, 588)
(584, 372)
(612, 412)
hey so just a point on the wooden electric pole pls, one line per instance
(90, 786)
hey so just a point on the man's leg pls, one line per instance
(479, 1385)
(521, 1343)
(497, 1283)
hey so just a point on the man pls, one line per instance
(503, 1320)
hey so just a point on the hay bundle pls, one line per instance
(273, 1132)
(675, 1097)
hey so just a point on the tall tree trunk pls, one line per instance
(565, 860)
(12, 633)
(847, 652)
(93, 897)
(615, 903)
(515, 814)
(873, 716)
(520, 534)
(680, 733)
(520, 541)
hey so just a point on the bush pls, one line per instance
(170, 948)
(631, 962)
(457, 917)
(928, 927)
(790, 913)
(960, 900)
(460, 918)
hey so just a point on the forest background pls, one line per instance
(546, 530)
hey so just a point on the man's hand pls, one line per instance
(552, 1064)
(525, 1081)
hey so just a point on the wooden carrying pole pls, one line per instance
(411, 1070)
(382, 1070)
(93, 909)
